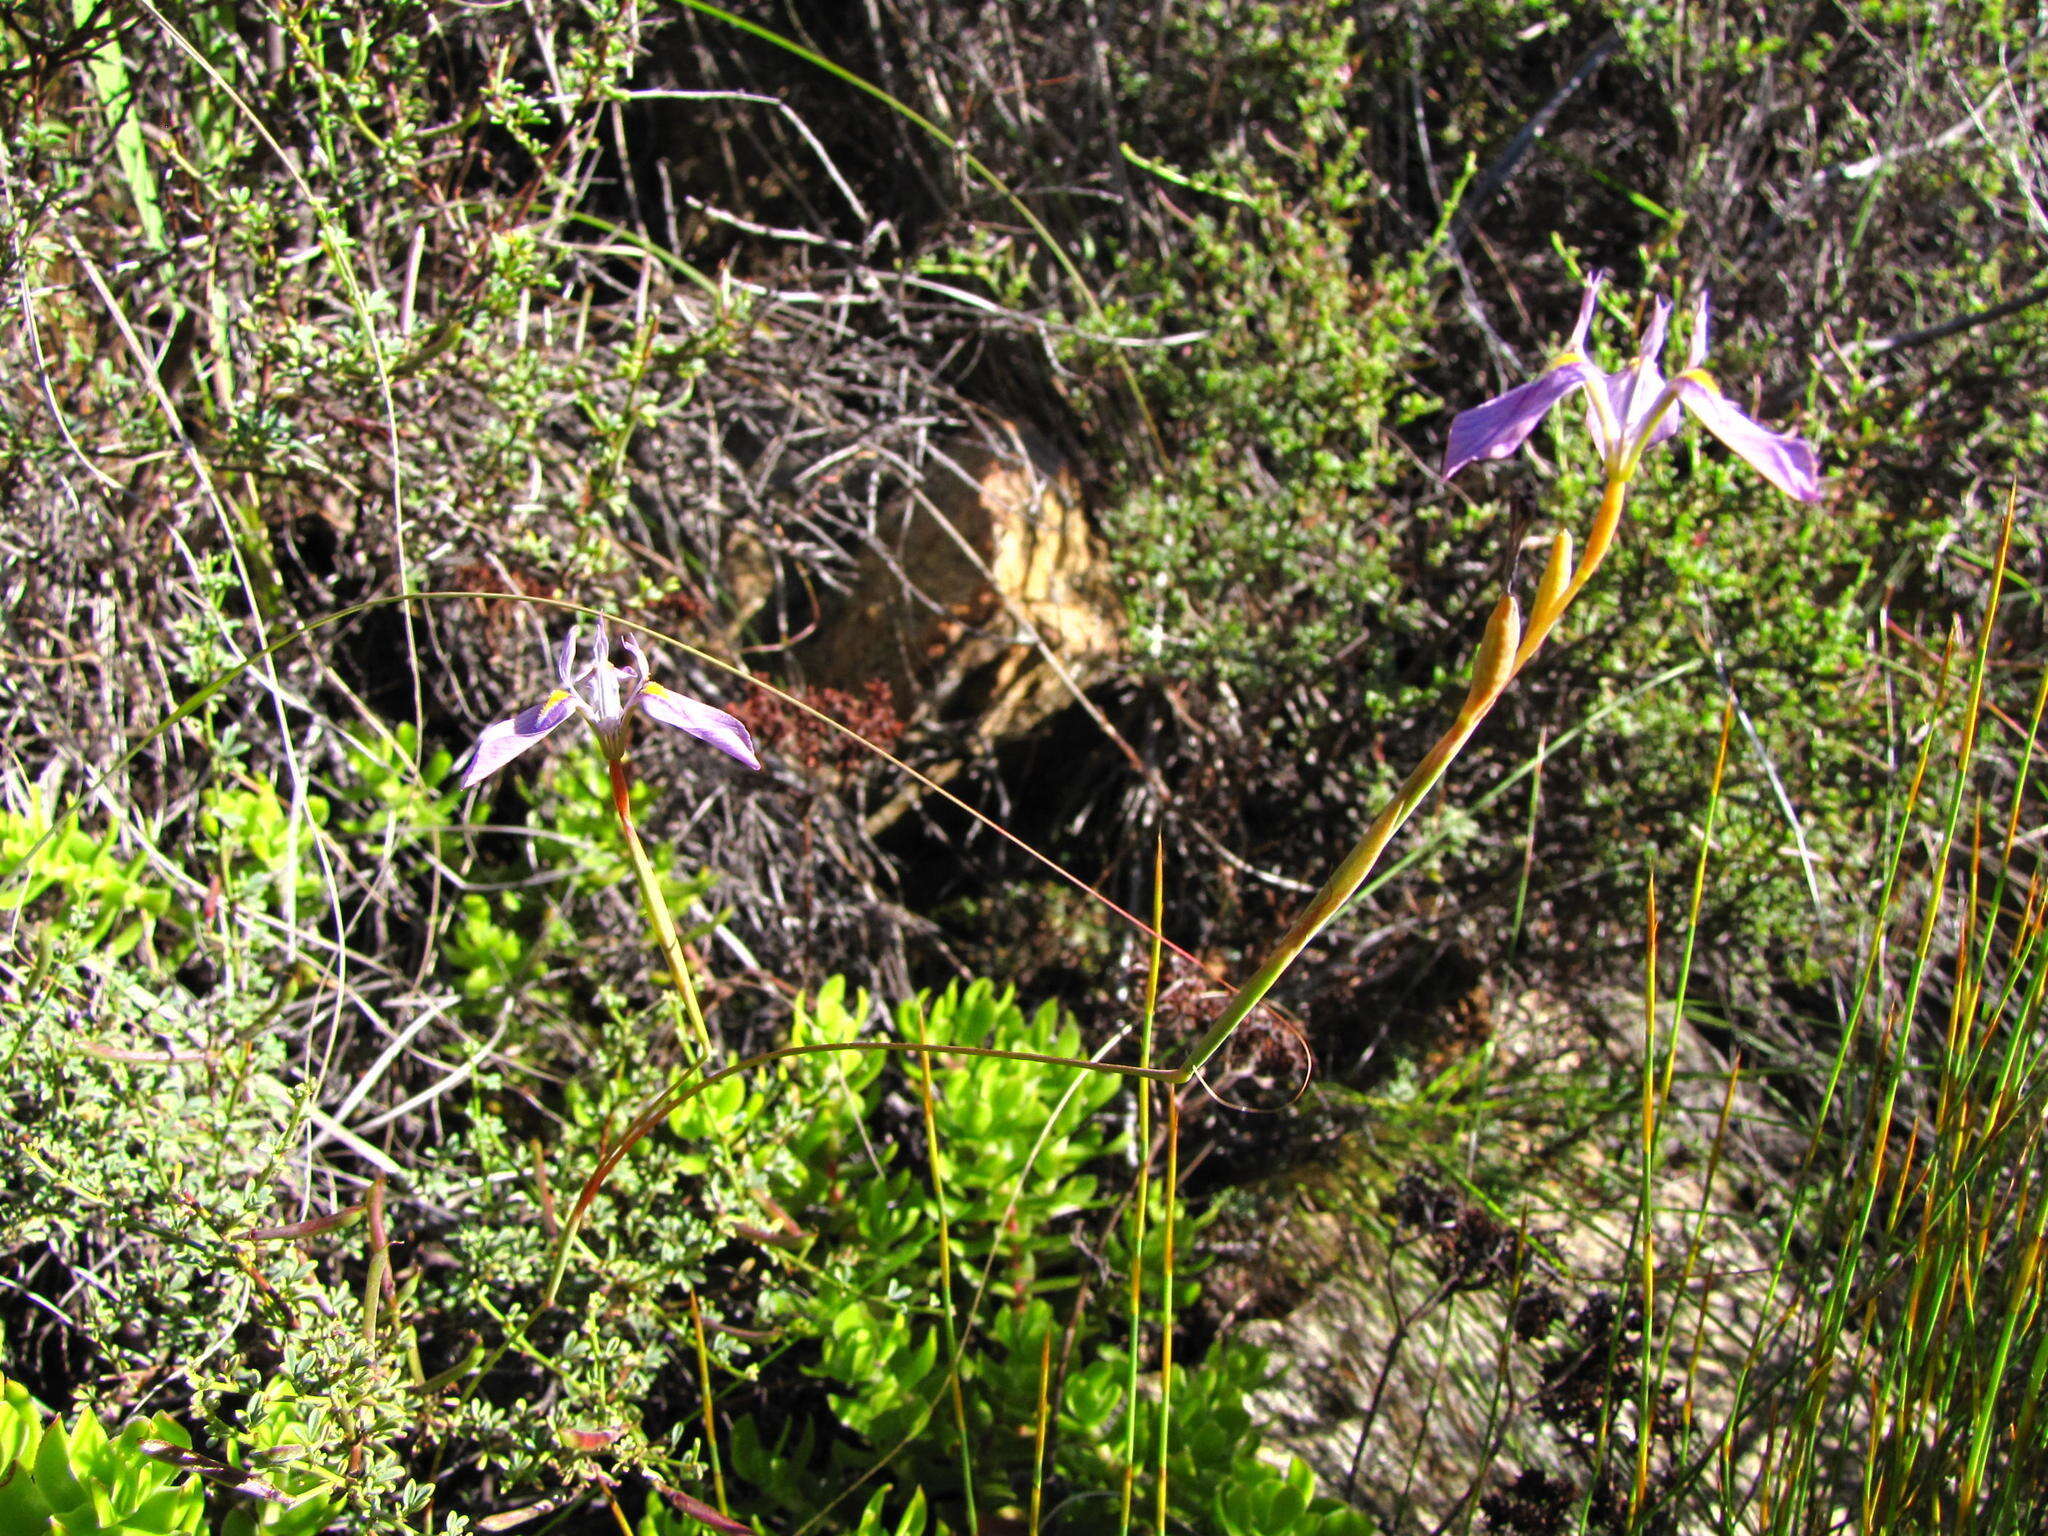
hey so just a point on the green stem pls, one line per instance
(710, 1407)
(658, 916)
(682, 1093)
(1171, 1197)
(671, 946)
(927, 1097)
(1338, 890)
(485, 1361)
(1031, 1522)
(1140, 1201)
(1343, 884)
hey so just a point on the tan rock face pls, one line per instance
(987, 602)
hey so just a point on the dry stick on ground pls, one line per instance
(1509, 160)
(1947, 328)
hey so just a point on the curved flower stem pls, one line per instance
(1344, 882)
(1339, 889)
(658, 916)
(671, 946)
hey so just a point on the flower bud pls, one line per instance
(1496, 661)
(1556, 575)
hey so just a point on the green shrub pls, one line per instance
(78, 1481)
(1255, 550)
(1014, 1184)
(107, 899)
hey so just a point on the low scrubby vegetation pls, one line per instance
(1646, 1146)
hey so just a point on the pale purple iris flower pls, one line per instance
(1632, 409)
(606, 697)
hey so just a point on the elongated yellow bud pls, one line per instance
(1496, 661)
(1556, 575)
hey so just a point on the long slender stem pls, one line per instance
(1324, 906)
(710, 1407)
(927, 1098)
(1031, 1524)
(1652, 1118)
(1141, 1199)
(680, 1094)
(658, 916)
(1344, 882)
(1171, 1198)
(671, 946)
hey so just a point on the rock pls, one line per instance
(1401, 1375)
(985, 605)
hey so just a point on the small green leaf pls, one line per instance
(53, 1469)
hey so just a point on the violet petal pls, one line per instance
(1496, 428)
(712, 726)
(1587, 301)
(1632, 394)
(1786, 461)
(502, 742)
(1696, 346)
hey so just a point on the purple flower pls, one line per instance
(605, 696)
(1632, 409)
